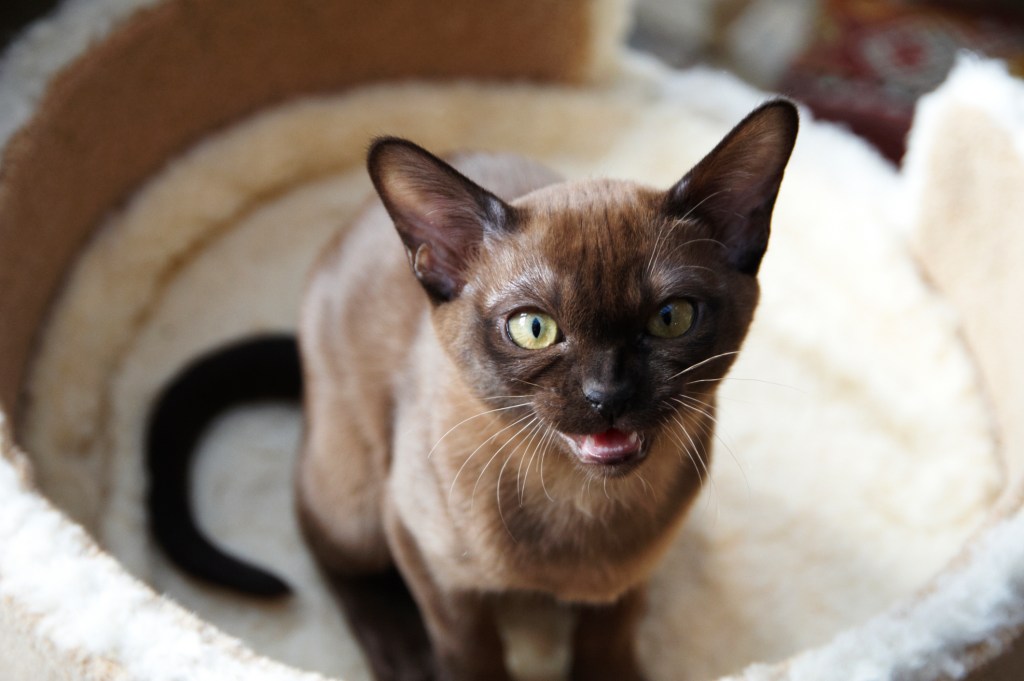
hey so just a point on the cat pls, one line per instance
(530, 412)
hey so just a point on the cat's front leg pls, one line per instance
(604, 643)
(386, 622)
(461, 624)
(464, 634)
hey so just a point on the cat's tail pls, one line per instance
(262, 368)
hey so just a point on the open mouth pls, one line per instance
(612, 447)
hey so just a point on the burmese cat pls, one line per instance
(529, 412)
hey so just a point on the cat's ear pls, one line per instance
(733, 188)
(441, 215)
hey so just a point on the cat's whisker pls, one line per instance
(748, 380)
(544, 451)
(702, 363)
(699, 460)
(497, 487)
(701, 407)
(698, 405)
(666, 229)
(538, 449)
(532, 385)
(713, 431)
(716, 242)
(662, 234)
(646, 486)
(679, 247)
(501, 397)
(526, 447)
(536, 430)
(671, 226)
(471, 418)
(699, 204)
(497, 497)
(697, 267)
(499, 450)
(682, 448)
(469, 458)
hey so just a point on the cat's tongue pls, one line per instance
(611, 446)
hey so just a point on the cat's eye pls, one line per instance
(672, 319)
(532, 330)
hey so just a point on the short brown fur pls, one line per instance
(434, 443)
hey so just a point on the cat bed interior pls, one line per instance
(863, 509)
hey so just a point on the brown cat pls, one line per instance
(538, 422)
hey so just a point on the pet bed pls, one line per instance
(864, 516)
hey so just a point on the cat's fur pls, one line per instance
(436, 444)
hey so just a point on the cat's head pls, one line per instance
(606, 306)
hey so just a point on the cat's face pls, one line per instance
(599, 308)
(605, 306)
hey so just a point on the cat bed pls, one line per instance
(863, 519)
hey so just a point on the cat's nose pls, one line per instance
(610, 401)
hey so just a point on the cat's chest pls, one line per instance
(492, 519)
(558, 550)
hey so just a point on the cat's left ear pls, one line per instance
(733, 188)
(441, 215)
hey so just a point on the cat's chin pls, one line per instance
(613, 451)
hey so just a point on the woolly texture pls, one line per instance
(856, 453)
(48, 46)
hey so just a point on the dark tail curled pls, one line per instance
(263, 368)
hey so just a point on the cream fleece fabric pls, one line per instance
(856, 448)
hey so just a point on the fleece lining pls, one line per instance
(855, 449)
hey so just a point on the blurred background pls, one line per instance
(860, 62)
(16, 13)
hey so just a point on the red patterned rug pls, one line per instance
(870, 60)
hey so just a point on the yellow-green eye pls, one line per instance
(672, 320)
(532, 330)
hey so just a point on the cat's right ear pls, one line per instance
(441, 215)
(733, 188)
